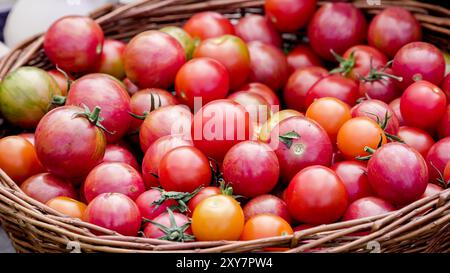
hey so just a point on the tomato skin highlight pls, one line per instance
(67, 206)
(67, 146)
(265, 226)
(316, 195)
(208, 24)
(354, 176)
(218, 217)
(254, 27)
(366, 207)
(45, 186)
(266, 204)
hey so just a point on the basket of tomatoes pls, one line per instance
(230, 126)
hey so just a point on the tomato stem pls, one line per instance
(182, 198)
(93, 117)
(173, 233)
(345, 65)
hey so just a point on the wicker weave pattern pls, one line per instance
(423, 226)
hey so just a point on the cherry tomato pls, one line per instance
(148, 207)
(416, 138)
(106, 92)
(18, 158)
(336, 26)
(233, 126)
(266, 204)
(68, 143)
(28, 136)
(366, 207)
(184, 169)
(395, 106)
(422, 105)
(130, 86)
(251, 168)
(114, 211)
(256, 105)
(354, 176)
(335, 86)
(264, 91)
(431, 190)
(447, 173)
(444, 123)
(67, 206)
(113, 177)
(154, 154)
(186, 41)
(266, 128)
(302, 56)
(45, 186)
(359, 60)
(393, 28)
(378, 111)
(356, 134)
(200, 196)
(203, 78)
(208, 24)
(380, 87)
(268, 65)
(254, 27)
(299, 83)
(117, 153)
(437, 158)
(216, 218)
(290, 15)
(316, 195)
(298, 143)
(167, 120)
(445, 86)
(111, 61)
(265, 226)
(330, 113)
(74, 43)
(61, 80)
(397, 173)
(418, 61)
(230, 51)
(152, 59)
(174, 222)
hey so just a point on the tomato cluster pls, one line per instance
(216, 131)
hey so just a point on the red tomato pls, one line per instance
(266, 128)
(445, 86)
(422, 105)
(68, 143)
(62, 80)
(359, 60)
(268, 65)
(208, 24)
(302, 56)
(167, 120)
(74, 43)
(114, 211)
(201, 78)
(147, 204)
(264, 91)
(335, 86)
(154, 154)
(18, 158)
(233, 126)
(298, 143)
(336, 26)
(378, 111)
(299, 83)
(106, 92)
(141, 102)
(177, 224)
(379, 86)
(431, 190)
(184, 169)
(265, 226)
(395, 106)
(447, 173)
(444, 124)
(251, 168)
(290, 15)
(416, 138)
(200, 196)
(152, 59)
(316, 195)
(130, 86)
(387, 163)
(46, 186)
(419, 61)
(266, 204)
(393, 28)
(113, 177)
(67, 206)
(437, 158)
(366, 207)
(254, 27)
(354, 176)
(120, 154)
(112, 58)
(258, 107)
(230, 51)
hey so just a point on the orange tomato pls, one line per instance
(67, 206)
(218, 217)
(356, 134)
(330, 113)
(267, 127)
(18, 158)
(264, 226)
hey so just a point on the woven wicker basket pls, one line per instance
(33, 227)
